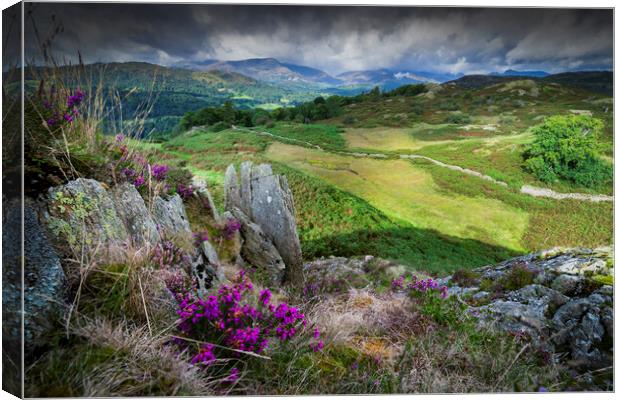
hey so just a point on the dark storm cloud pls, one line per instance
(336, 39)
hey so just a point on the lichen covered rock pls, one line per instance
(82, 214)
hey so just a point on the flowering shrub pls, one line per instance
(133, 167)
(166, 255)
(185, 191)
(236, 319)
(419, 286)
(58, 111)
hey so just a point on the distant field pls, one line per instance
(401, 190)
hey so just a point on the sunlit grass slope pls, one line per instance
(401, 190)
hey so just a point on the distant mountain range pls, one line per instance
(303, 78)
(274, 71)
(269, 83)
(512, 72)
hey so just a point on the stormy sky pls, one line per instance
(334, 39)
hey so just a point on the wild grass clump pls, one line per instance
(516, 278)
(101, 358)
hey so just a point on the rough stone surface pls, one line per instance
(232, 193)
(206, 268)
(170, 216)
(563, 311)
(44, 278)
(258, 249)
(87, 215)
(82, 213)
(245, 190)
(136, 217)
(269, 204)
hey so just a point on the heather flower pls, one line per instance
(398, 283)
(264, 296)
(128, 172)
(316, 334)
(159, 171)
(316, 347)
(231, 227)
(120, 137)
(185, 191)
(200, 237)
(139, 181)
(205, 356)
(68, 117)
(51, 122)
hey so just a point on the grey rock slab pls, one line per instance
(232, 191)
(170, 216)
(136, 217)
(274, 212)
(258, 249)
(44, 280)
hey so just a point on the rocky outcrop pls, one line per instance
(561, 307)
(82, 213)
(170, 216)
(135, 216)
(267, 201)
(44, 280)
(86, 215)
(258, 249)
(206, 268)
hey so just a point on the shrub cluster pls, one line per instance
(135, 168)
(566, 147)
(419, 286)
(238, 320)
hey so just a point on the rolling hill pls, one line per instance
(594, 81)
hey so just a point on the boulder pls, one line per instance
(170, 217)
(267, 201)
(83, 215)
(273, 210)
(515, 317)
(568, 284)
(44, 279)
(258, 249)
(245, 189)
(137, 219)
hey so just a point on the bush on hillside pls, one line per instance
(567, 148)
(458, 118)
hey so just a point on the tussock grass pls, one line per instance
(104, 358)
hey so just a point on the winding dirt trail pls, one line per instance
(525, 189)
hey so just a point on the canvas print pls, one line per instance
(211, 200)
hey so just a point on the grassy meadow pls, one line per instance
(412, 211)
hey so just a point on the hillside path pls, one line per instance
(529, 190)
